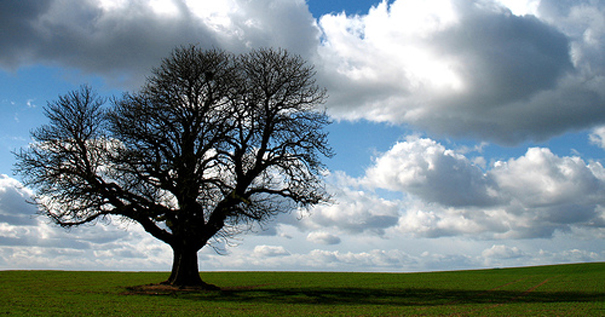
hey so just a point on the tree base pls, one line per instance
(167, 289)
(202, 286)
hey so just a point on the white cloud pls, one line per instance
(597, 136)
(467, 68)
(504, 71)
(14, 209)
(122, 40)
(444, 194)
(270, 251)
(458, 254)
(421, 189)
(571, 256)
(430, 171)
(343, 261)
(542, 179)
(443, 262)
(522, 7)
(322, 237)
(501, 252)
(434, 221)
(29, 241)
(353, 211)
(98, 247)
(399, 247)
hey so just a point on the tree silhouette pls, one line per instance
(211, 144)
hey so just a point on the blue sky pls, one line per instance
(468, 134)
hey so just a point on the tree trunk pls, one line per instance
(185, 271)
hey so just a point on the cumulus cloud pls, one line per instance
(122, 40)
(353, 211)
(315, 259)
(322, 237)
(430, 171)
(100, 247)
(571, 256)
(125, 246)
(501, 252)
(371, 260)
(14, 209)
(396, 260)
(542, 179)
(442, 262)
(504, 71)
(597, 137)
(467, 68)
(442, 193)
(270, 251)
(31, 241)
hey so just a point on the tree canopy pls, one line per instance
(212, 143)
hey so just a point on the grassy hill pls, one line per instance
(559, 290)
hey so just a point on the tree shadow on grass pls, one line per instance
(392, 296)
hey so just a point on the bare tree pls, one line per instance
(213, 143)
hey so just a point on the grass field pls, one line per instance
(561, 290)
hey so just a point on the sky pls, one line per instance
(468, 134)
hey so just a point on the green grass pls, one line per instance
(561, 290)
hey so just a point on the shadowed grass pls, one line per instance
(393, 297)
(563, 290)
